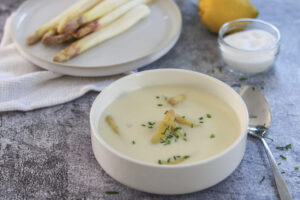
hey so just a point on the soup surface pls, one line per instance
(210, 125)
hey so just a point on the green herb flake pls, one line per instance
(212, 136)
(200, 118)
(159, 105)
(296, 168)
(243, 79)
(263, 178)
(186, 157)
(286, 147)
(133, 142)
(283, 172)
(185, 139)
(157, 97)
(220, 69)
(111, 192)
(262, 87)
(143, 124)
(283, 157)
(183, 117)
(159, 162)
(169, 160)
(208, 115)
(279, 163)
(177, 128)
(212, 71)
(192, 125)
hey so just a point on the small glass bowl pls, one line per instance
(248, 62)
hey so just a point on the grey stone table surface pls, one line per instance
(46, 153)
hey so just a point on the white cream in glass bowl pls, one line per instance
(248, 46)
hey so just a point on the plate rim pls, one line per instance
(151, 53)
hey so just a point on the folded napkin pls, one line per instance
(24, 86)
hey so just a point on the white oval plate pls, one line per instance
(152, 37)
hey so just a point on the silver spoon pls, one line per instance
(259, 122)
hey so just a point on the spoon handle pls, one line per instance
(283, 190)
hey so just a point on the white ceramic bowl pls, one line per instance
(166, 179)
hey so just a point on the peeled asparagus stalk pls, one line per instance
(121, 25)
(108, 19)
(48, 34)
(38, 34)
(89, 4)
(57, 39)
(98, 11)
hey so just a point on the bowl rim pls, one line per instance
(243, 132)
(275, 44)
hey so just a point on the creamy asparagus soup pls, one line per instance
(169, 125)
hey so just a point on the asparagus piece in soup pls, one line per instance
(173, 160)
(176, 99)
(181, 120)
(164, 127)
(109, 120)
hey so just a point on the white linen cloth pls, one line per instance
(24, 86)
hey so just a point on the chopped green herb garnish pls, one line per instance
(133, 142)
(159, 105)
(208, 115)
(212, 71)
(220, 69)
(243, 79)
(185, 139)
(166, 112)
(174, 157)
(165, 130)
(263, 178)
(183, 117)
(212, 136)
(286, 147)
(111, 192)
(159, 162)
(166, 98)
(177, 128)
(279, 163)
(283, 172)
(296, 168)
(149, 124)
(169, 160)
(283, 157)
(192, 125)
(157, 97)
(200, 118)
(201, 122)
(186, 157)
(262, 87)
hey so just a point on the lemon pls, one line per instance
(214, 13)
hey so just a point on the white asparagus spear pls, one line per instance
(108, 19)
(89, 4)
(121, 25)
(38, 34)
(98, 11)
